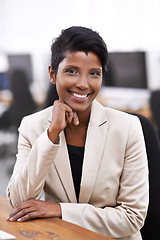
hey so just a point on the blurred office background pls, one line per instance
(130, 29)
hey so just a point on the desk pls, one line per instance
(40, 229)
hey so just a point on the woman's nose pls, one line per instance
(82, 83)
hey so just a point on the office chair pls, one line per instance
(155, 108)
(151, 227)
(23, 103)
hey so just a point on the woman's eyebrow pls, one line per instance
(71, 66)
(97, 69)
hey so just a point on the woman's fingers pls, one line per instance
(72, 117)
(34, 209)
(70, 114)
(62, 114)
(24, 215)
(75, 119)
(21, 210)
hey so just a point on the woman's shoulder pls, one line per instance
(37, 120)
(113, 114)
(113, 118)
(33, 125)
(40, 115)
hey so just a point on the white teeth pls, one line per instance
(79, 96)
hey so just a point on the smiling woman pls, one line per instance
(89, 160)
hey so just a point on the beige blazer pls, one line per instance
(114, 186)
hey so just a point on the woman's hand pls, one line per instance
(34, 209)
(62, 114)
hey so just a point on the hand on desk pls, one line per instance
(34, 209)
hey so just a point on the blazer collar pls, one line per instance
(95, 141)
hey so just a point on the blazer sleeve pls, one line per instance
(127, 217)
(32, 164)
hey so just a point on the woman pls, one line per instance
(89, 160)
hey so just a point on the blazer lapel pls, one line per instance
(95, 141)
(62, 165)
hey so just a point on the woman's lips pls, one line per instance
(82, 96)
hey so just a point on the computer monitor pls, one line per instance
(126, 69)
(21, 62)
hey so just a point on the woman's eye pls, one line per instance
(95, 74)
(72, 71)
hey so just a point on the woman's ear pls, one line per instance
(51, 75)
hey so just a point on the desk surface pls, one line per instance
(51, 228)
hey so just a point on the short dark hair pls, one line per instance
(78, 38)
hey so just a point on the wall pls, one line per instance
(29, 26)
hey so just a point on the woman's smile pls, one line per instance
(79, 95)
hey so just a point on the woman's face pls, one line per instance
(78, 79)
